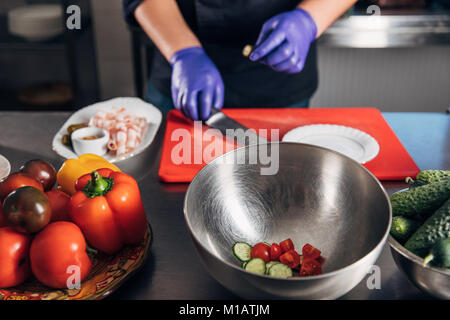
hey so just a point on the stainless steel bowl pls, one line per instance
(435, 281)
(318, 196)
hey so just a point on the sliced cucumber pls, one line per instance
(256, 265)
(242, 251)
(280, 270)
(244, 264)
(270, 264)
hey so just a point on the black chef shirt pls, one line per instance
(224, 27)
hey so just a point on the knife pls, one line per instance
(233, 129)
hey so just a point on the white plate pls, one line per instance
(132, 105)
(351, 142)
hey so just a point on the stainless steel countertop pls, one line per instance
(389, 29)
(173, 270)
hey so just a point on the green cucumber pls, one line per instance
(435, 228)
(242, 251)
(270, 264)
(430, 176)
(256, 265)
(402, 228)
(420, 199)
(439, 254)
(280, 270)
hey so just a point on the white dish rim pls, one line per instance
(152, 127)
(336, 127)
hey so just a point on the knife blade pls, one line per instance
(233, 129)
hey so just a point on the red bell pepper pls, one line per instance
(109, 210)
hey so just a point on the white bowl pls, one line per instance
(36, 22)
(5, 167)
(96, 146)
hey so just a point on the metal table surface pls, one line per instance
(173, 270)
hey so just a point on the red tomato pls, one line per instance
(311, 252)
(3, 222)
(59, 201)
(310, 267)
(290, 258)
(261, 250)
(275, 252)
(16, 181)
(55, 251)
(14, 261)
(42, 171)
(287, 245)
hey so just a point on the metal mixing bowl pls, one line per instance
(435, 281)
(318, 196)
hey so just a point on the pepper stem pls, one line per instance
(98, 185)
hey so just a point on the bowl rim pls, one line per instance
(361, 260)
(399, 248)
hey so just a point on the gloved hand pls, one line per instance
(197, 85)
(284, 41)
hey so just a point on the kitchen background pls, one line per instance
(399, 61)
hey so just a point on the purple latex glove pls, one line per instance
(284, 41)
(197, 85)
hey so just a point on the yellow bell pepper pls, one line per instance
(72, 169)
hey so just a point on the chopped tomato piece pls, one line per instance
(287, 245)
(275, 252)
(321, 260)
(310, 267)
(261, 250)
(290, 258)
(311, 252)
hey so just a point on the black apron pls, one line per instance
(224, 27)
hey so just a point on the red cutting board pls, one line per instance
(392, 162)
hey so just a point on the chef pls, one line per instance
(200, 64)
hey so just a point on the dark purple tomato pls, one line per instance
(42, 171)
(27, 210)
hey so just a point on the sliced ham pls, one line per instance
(125, 129)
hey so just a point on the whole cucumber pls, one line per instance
(435, 228)
(402, 228)
(420, 199)
(430, 176)
(439, 254)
